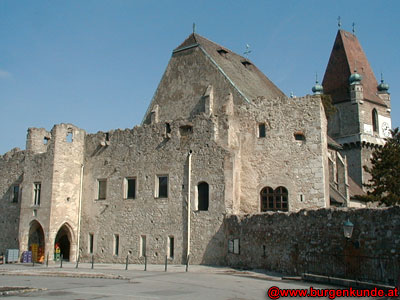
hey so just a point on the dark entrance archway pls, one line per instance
(36, 241)
(63, 242)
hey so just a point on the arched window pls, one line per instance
(274, 199)
(203, 195)
(375, 120)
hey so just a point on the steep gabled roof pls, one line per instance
(347, 55)
(240, 71)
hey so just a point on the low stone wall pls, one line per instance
(284, 242)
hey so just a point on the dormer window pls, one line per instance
(246, 63)
(222, 52)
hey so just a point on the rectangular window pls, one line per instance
(162, 186)
(36, 193)
(102, 192)
(233, 246)
(15, 194)
(130, 188)
(170, 246)
(142, 251)
(261, 130)
(91, 243)
(116, 244)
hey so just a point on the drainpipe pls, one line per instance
(79, 214)
(188, 203)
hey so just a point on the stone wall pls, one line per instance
(283, 241)
(144, 153)
(12, 163)
(278, 159)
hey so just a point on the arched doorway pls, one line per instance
(62, 244)
(36, 241)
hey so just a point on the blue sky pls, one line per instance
(96, 64)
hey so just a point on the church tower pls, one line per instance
(362, 118)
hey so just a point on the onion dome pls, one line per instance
(355, 78)
(383, 87)
(317, 88)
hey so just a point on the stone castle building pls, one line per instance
(218, 138)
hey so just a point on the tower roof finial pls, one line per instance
(355, 78)
(383, 87)
(317, 89)
(339, 24)
(194, 27)
(354, 28)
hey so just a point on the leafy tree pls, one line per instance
(385, 172)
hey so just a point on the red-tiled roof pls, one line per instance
(347, 55)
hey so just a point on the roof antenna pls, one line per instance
(248, 51)
(194, 28)
(354, 28)
(339, 22)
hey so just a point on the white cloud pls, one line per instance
(4, 74)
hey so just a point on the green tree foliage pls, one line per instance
(385, 172)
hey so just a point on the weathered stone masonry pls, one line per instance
(284, 241)
(216, 119)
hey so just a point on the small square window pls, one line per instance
(299, 136)
(261, 130)
(130, 188)
(162, 186)
(102, 189)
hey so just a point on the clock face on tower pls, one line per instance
(385, 129)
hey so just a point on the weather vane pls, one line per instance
(248, 51)
(194, 27)
(354, 28)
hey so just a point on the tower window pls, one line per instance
(261, 130)
(130, 188)
(15, 195)
(375, 120)
(70, 136)
(102, 189)
(274, 199)
(203, 195)
(162, 186)
(36, 193)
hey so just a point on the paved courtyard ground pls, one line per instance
(114, 282)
